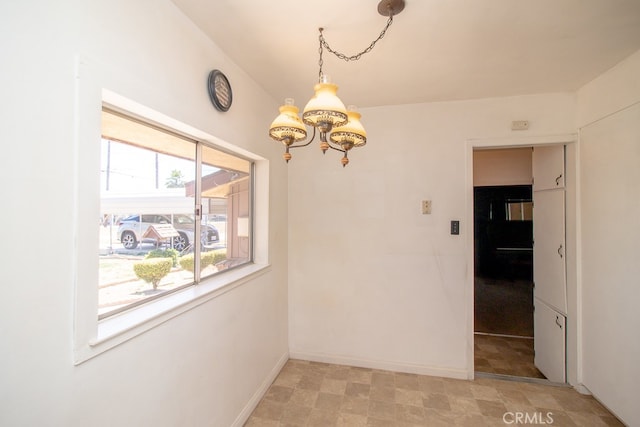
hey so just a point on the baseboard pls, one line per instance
(580, 388)
(515, 378)
(384, 365)
(259, 394)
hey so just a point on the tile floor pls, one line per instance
(319, 394)
(505, 355)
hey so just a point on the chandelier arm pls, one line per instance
(308, 142)
(337, 149)
(323, 43)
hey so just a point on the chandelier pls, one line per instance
(325, 112)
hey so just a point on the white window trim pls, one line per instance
(93, 337)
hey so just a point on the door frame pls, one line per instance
(573, 356)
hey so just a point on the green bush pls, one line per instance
(164, 253)
(214, 257)
(186, 262)
(206, 259)
(152, 270)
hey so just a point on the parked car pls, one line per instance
(132, 228)
(216, 217)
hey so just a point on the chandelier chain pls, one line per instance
(325, 45)
(320, 61)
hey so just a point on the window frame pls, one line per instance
(198, 162)
(93, 337)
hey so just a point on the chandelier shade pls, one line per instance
(352, 134)
(287, 126)
(325, 108)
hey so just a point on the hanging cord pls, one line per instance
(347, 58)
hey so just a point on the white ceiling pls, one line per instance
(435, 49)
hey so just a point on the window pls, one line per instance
(217, 184)
(173, 212)
(519, 210)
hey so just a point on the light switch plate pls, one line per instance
(519, 125)
(455, 227)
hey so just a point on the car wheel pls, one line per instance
(128, 240)
(181, 242)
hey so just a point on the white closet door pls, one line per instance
(548, 167)
(549, 344)
(549, 267)
(549, 274)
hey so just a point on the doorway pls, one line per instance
(503, 262)
(569, 251)
(503, 280)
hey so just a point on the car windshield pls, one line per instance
(182, 219)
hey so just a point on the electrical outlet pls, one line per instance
(426, 207)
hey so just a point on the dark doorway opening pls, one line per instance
(503, 261)
(503, 232)
(503, 240)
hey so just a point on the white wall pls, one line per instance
(200, 368)
(609, 122)
(373, 282)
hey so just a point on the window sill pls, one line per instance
(121, 328)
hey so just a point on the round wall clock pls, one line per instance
(219, 90)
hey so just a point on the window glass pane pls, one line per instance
(519, 210)
(225, 198)
(148, 244)
(146, 215)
